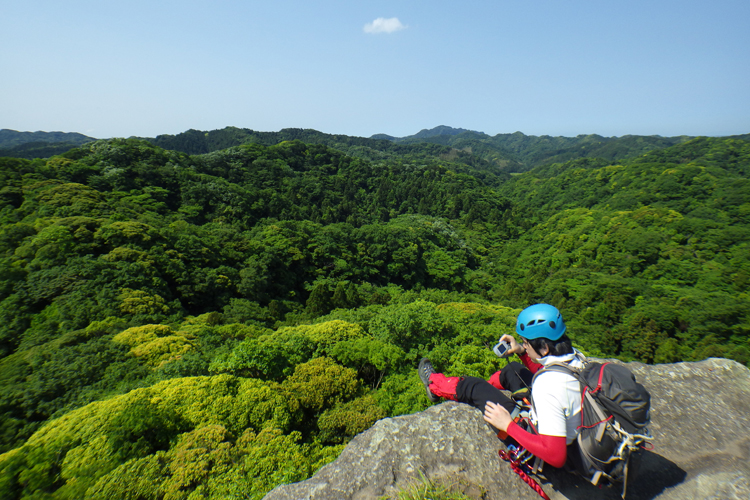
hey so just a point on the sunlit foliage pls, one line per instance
(210, 326)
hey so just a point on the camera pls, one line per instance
(501, 349)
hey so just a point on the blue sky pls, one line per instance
(143, 68)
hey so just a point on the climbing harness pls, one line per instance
(519, 459)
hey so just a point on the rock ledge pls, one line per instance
(700, 420)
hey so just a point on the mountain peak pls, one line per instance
(426, 133)
(439, 130)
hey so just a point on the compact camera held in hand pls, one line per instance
(501, 349)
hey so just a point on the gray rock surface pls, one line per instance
(699, 420)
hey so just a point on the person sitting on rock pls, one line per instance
(556, 395)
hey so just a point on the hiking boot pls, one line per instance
(425, 370)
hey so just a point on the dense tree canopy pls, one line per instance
(209, 326)
(514, 152)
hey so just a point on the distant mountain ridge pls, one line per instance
(518, 152)
(11, 138)
(514, 152)
(440, 130)
(511, 152)
(195, 142)
(38, 144)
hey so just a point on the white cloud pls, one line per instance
(383, 25)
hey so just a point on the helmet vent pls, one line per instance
(540, 315)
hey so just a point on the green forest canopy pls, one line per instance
(209, 326)
(515, 152)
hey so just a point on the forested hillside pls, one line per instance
(518, 152)
(38, 144)
(515, 152)
(211, 325)
(197, 142)
(10, 138)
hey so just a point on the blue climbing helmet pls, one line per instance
(540, 320)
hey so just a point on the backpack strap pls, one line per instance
(553, 367)
(585, 389)
(557, 367)
(601, 374)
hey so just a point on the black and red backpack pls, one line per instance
(614, 419)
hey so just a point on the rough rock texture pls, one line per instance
(699, 420)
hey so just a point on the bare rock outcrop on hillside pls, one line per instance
(700, 420)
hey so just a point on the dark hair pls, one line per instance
(559, 347)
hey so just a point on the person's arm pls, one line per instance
(551, 449)
(526, 360)
(516, 348)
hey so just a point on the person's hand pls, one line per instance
(497, 415)
(515, 347)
